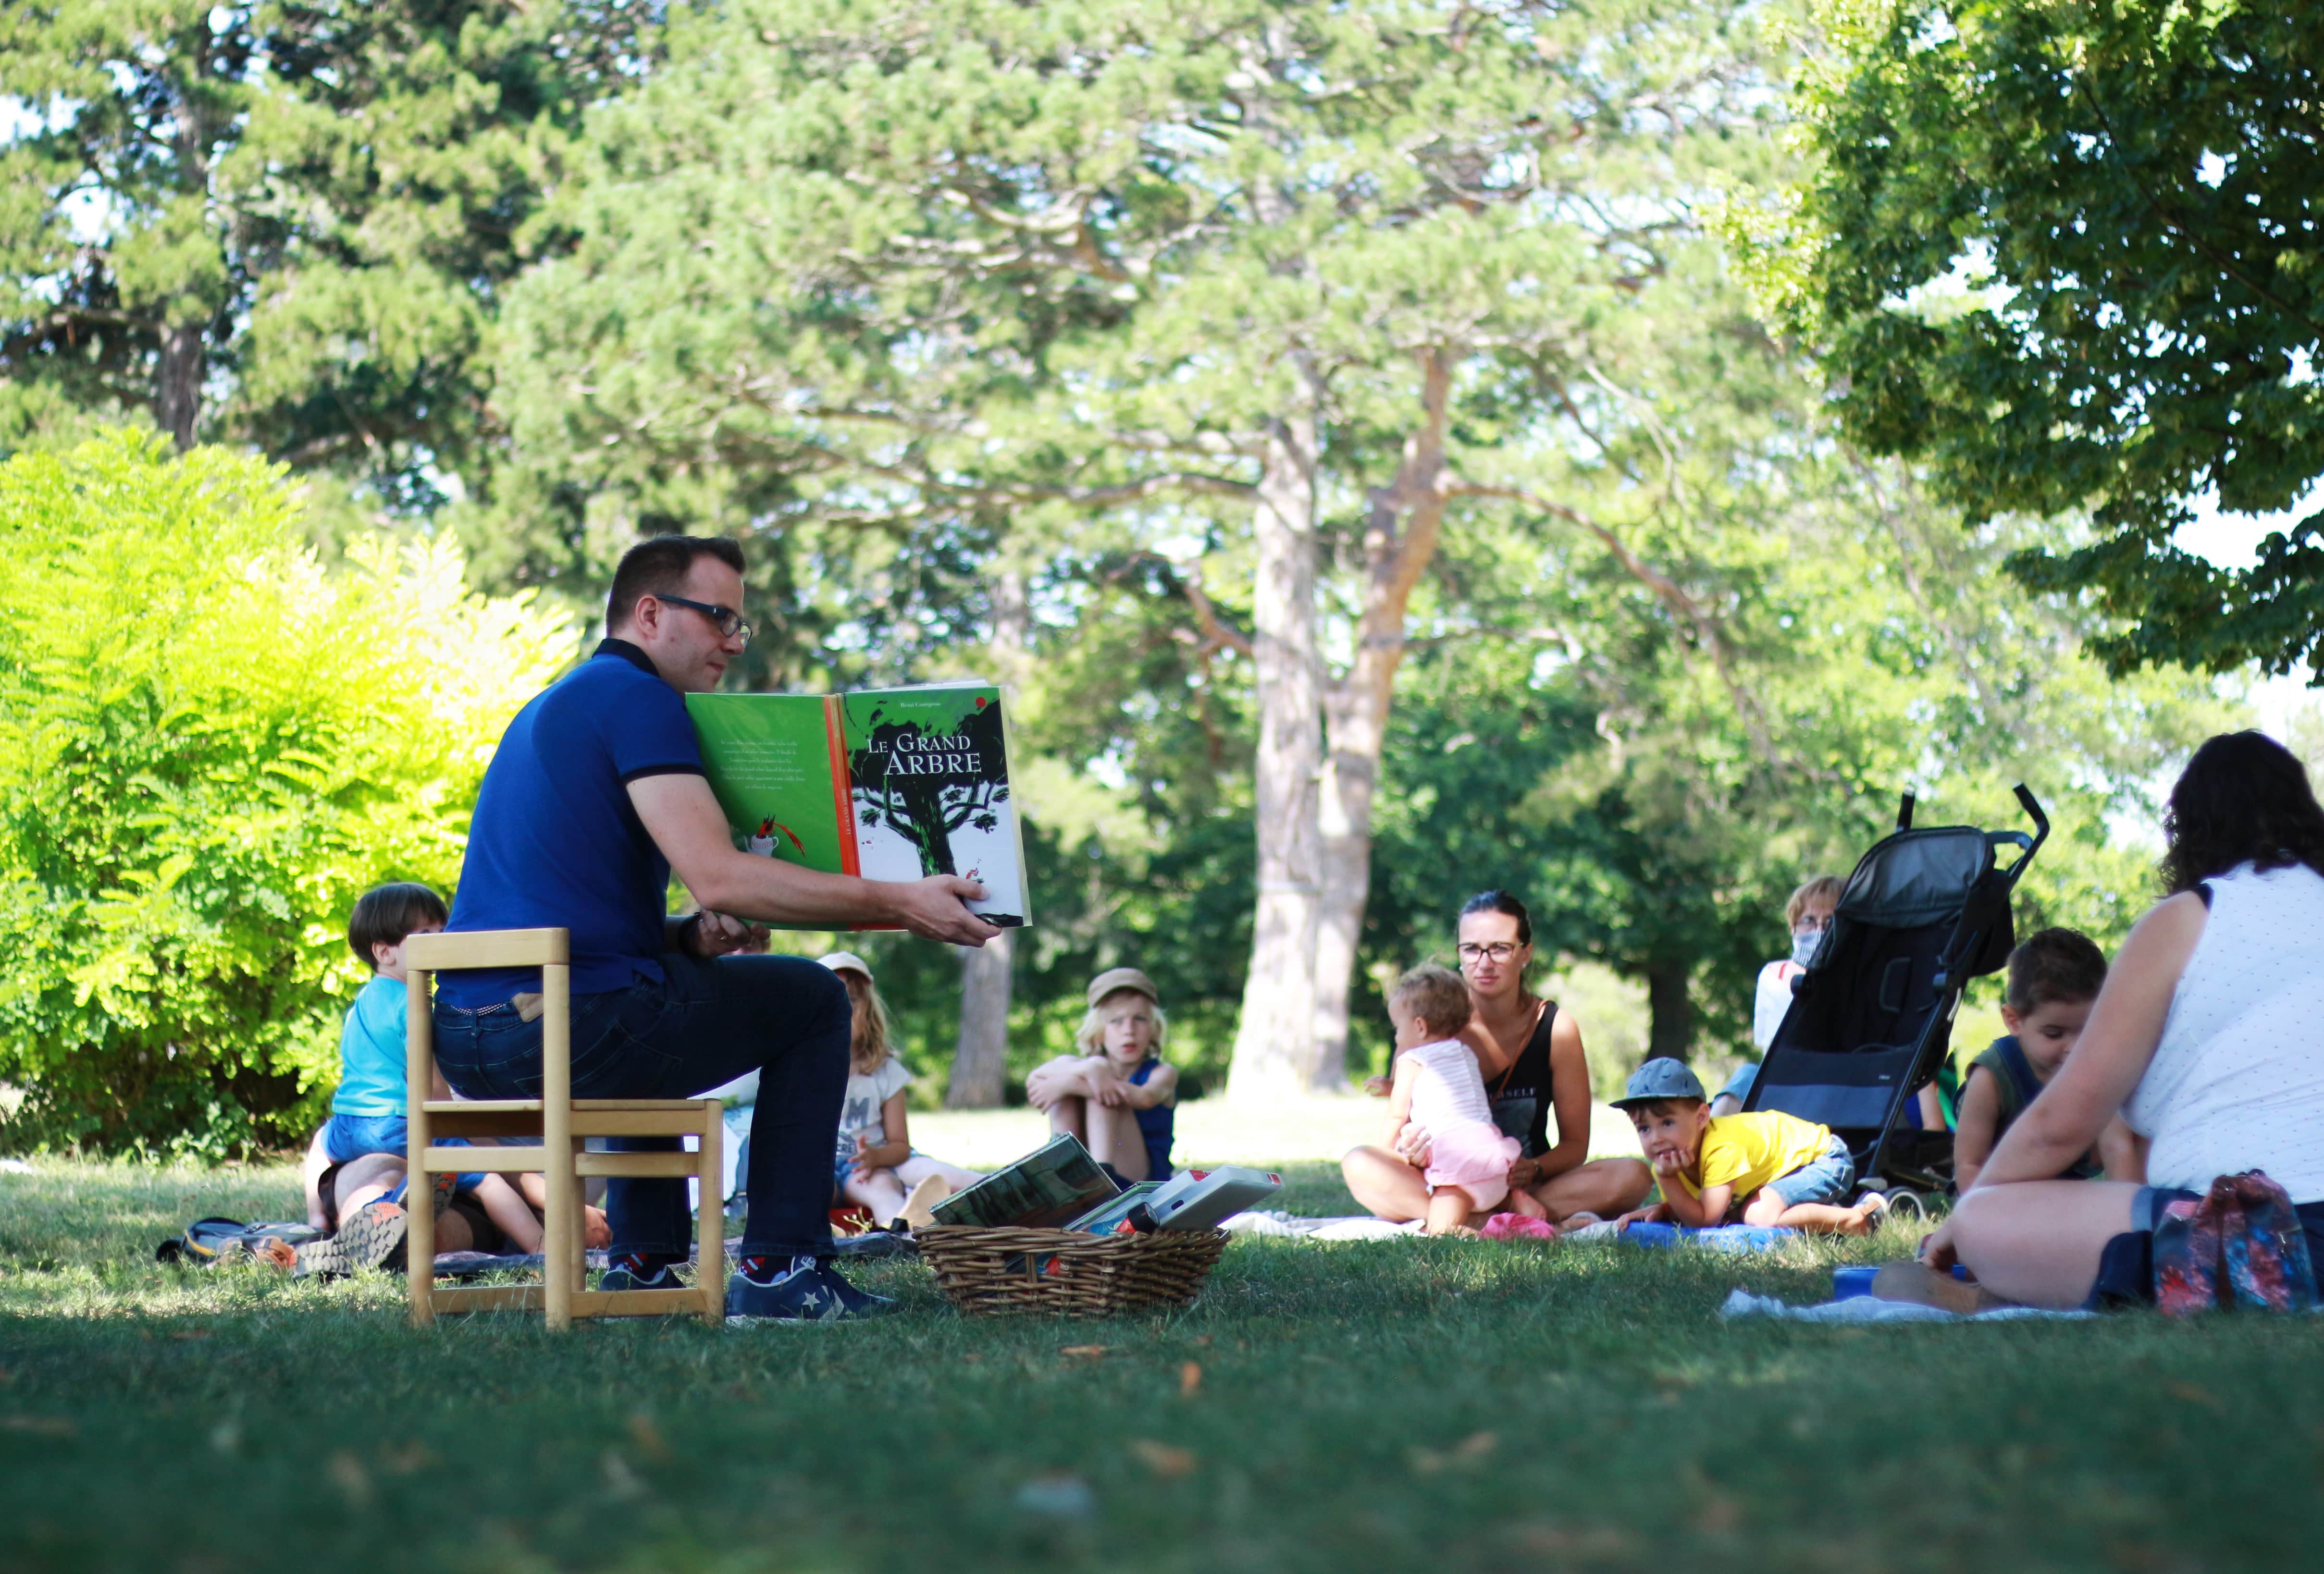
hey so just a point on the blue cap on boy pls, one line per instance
(1660, 1078)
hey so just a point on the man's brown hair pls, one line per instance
(658, 566)
(2055, 965)
(1436, 996)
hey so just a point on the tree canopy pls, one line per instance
(2068, 256)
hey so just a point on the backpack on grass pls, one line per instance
(210, 1241)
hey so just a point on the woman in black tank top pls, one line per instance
(1531, 1055)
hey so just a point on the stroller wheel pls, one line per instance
(1908, 1206)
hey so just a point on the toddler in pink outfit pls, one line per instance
(1439, 1089)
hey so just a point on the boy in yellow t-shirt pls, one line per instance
(1765, 1167)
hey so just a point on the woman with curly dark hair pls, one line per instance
(2207, 1038)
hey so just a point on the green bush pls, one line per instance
(209, 745)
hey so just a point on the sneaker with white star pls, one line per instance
(803, 1290)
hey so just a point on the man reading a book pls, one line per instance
(595, 796)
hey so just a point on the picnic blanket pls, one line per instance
(1298, 1227)
(1860, 1308)
(1717, 1238)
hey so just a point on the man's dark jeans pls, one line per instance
(706, 1023)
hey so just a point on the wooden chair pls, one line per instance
(561, 1122)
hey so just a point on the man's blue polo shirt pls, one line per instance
(555, 841)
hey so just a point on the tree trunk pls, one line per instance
(178, 382)
(1671, 1028)
(1356, 710)
(1274, 1046)
(980, 1056)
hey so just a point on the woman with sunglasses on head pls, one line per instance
(1531, 1055)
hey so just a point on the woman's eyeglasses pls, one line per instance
(1499, 950)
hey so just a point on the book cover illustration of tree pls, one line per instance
(930, 770)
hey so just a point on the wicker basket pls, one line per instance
(1065, 1274)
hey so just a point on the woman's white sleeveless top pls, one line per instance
(2238, 1080)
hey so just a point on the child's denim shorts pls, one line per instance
(1826, 1180)
(350, 1136)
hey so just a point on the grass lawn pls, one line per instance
(1422, 1405)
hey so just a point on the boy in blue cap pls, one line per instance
(1765, 1167)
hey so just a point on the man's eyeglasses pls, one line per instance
(1499, 950)
(728, 621)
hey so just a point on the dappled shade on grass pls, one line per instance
(1404, 1404)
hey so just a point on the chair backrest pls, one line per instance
(446, 950)
(466, 951)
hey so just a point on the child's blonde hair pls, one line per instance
(1434, 995)
(1090, 1037)
(869, 1039)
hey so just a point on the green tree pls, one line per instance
(286, 223)
(1276, 287)
(208, 746)
(2067, 255)
(1578, 748)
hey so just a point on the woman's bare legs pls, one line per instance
(2038, 1242)
(1384, 1185)
(1607, 1188)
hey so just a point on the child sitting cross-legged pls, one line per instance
(1438, 1090)
(1764, 1167)
(2054, 978)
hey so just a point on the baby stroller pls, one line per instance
(1871, 1017)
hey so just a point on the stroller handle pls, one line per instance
(2031, 844)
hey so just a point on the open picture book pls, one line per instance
(892, 783)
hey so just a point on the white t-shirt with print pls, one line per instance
(867, 1095)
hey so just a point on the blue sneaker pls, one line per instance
(806, 1290)
(641, 1271)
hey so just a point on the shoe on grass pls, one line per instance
(373, 1237)
(805, 1289)
(641, 1271)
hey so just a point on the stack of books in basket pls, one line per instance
(1054, 1233)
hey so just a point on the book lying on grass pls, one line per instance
(891, 784)
(1199, 1199)
(1044, 1190)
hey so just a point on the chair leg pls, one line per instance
(710, 1221)
(561, 1243)
(420, 1237)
